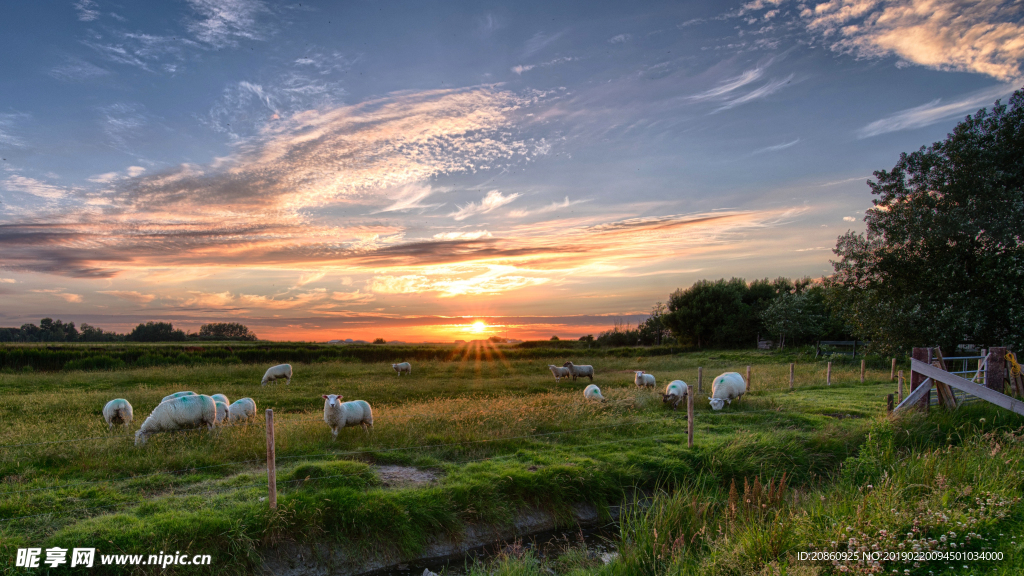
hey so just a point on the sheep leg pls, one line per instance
(334, 430)
(366, 428)
(591, 376)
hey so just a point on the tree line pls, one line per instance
(50, 330)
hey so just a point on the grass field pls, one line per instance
(500, 435)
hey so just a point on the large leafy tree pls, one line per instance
(942, 261)
(225, 331)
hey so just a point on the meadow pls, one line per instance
(497, 435)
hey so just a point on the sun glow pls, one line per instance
(479, 327)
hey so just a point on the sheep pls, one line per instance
(592, 392)
(278, 372)
(221, 398)
(643, 379)
(177, 395)
(222, 412)
(179, 413)
(726, 388)
(559, 372)
(675, 392)
(577, 371)
(242, 410)
(338, 414)
(117, 411)
(402, 367)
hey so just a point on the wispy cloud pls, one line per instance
(18, 183)
(933, 112)
(59, 293)
(620, 39)
(776, 147)
(984, 37)
(491, 201)
(766, 90)
(729, 85)
(553, 207)
(519, 69)
(130, 295)
(87, 10)
(410, 197)
(539, 41)
(222, 23)
(75, 69)
(464, 235)
(7, 137)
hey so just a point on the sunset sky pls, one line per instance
(320, 170)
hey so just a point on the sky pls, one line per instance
(331, 170)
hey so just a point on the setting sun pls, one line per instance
(479, 326)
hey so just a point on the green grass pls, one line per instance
(499, 433)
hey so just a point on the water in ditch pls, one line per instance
(599, 543)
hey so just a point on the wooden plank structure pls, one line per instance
(946, 398)
(935, 374)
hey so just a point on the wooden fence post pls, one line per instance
(700, 379)
(791, 365)
(862, 365)
(892, 375)
(995, 368)
(271, 462)
(899, 387)
(828, 375)
(748, 378)
(888, 404)
(921, 355)
(689, 420)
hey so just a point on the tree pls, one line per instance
(379, 341)
(225, 331)
(710, 313)
(942, 261)
(554, 338)
(156, 332)
(789, 315)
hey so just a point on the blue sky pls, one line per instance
(321, 170)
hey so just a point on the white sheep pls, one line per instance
(242, 410)
(577, 371)
(338, 414)
(178, 395)
(117, 411)
(402, 367)
(725, 388)
(675, 393)
(559, 372)
(222, 412)
(221, 398)
(643, 379)
(592, 392)
(177, 414)
(278, 372)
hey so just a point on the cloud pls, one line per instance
(410, 197)
(7, 139)
(482, 280)
(60, 293)
(934, 112)
(307, 278)
(729, 85)
(776, 147)
(8, 281)
(519, 69)
(130, 295)
(849, 219)
(474, 235)
(122, 121)
(983, 37)
(77, 70)
(766, 90)
(258, 204)
(553, 62)
(34, 187)
(223, 22)
(87, 10)
(619, 39)
(539, 41)
(494, 199)
(554, 206)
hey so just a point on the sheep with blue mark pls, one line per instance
(179, 414)
(117, 411)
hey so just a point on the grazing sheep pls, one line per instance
(117, 411)
(222, 412)
(559, 372)
(675, 392)
(592, 392)
(177, 395)
(338, 414)
(726, 388)
(643, 379)
(402, 367)
(177, 414)
(221, 398)
(278, 372)
(577, 371)
(242, 410)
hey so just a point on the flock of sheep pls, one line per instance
(183, 410)
(724, 388)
